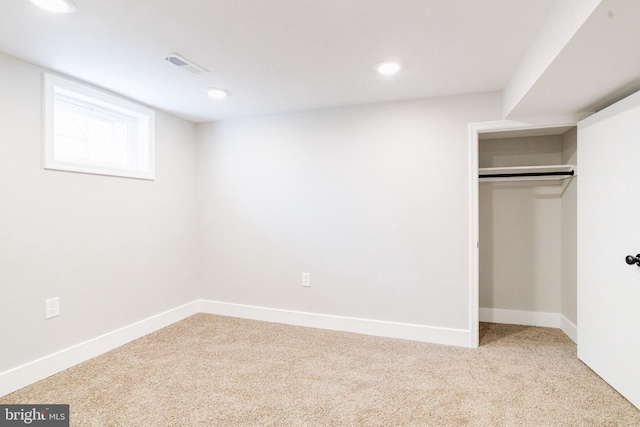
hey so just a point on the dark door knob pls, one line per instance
(633, 260)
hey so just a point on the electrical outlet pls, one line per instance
(52, 307)
(306, 279)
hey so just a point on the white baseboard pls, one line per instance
(436, 335)
(518, 317)
(569, 328)
(529, 318)
(29, 373)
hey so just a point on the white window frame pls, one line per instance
(99, 104)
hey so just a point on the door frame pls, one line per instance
(475, 129)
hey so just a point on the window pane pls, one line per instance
(90, 137)
(69, 149)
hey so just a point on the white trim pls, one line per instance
(474, 237)
(519, 317)
(21, 376)
(431, 334)
(569, 328)
(530, 318)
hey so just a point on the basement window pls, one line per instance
(91, 131)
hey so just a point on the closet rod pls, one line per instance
(509, 175)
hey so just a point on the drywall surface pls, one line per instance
(569, 296)
(520, 228)
(114, 250)
(372, 201)
(564, 21)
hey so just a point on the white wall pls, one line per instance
(520, 229)
(113, 250)
(564, 21)
(528, 236)
(372, 201)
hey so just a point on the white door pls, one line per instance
(608, 231)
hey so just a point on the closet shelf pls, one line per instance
(527, 173)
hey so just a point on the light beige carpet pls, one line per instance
(218, 371)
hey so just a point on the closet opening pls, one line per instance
(526, 227)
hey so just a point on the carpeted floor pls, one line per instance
(218, 371)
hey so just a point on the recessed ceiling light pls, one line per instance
(388, 68)
(58, 6)
(216, 93)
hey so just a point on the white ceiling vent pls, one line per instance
(184, 64)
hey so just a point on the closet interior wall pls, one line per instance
(528, 229)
